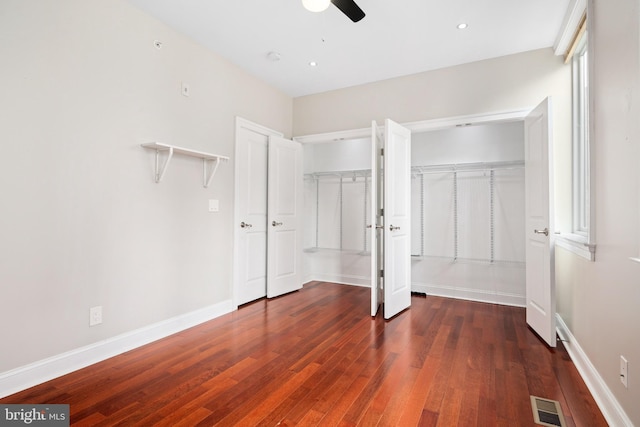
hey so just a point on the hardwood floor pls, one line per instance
(316, 357)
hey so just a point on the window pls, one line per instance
(580, 187)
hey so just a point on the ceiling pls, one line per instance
(396, 37)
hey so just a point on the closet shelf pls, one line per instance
(467, 167)
(452, 260)
(357, 173)
(418, 170)
(207, 158)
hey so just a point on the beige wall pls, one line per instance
(506, 83)
(600, 300)
(83, 223)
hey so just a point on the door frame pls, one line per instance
(263, 130)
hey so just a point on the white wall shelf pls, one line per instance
(207, 158)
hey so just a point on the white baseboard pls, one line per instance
(608, 404)
(440, 291)
(44, 370)
(343, 279)
(470, 294)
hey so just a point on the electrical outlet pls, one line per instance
(214, 205)
(624, 371)
(95, 315)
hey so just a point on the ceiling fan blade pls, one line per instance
(349, 8)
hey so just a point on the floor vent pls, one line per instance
(547, 412)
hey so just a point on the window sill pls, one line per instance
(576, 244)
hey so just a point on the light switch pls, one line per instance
(214, 205)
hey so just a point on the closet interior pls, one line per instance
(467, 199)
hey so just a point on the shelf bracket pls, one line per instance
(207, 177)
(160, 170)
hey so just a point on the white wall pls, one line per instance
(498, 142)
(599, 300)
(338, 156)
(83, 222)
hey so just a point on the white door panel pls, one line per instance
(540, 269)
(397, 219)
(251, 213)
(285, 207)
(374, 215)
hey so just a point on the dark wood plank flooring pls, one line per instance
(316, 357)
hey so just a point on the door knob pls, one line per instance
(545, 231)
(392, 228)
(275, 224)
(245, 225)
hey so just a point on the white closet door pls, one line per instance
(376, 220)
(250, 257)
(285, 208)
(540, 270)
(397, 219)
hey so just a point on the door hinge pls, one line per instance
(381, 273)
(382, 151)
(382, 212)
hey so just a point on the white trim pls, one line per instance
(242, 122)
(576, 244)
(254, 127)
(572, 18)
(320, 138)
(473, 119)
(457, 292)
(420, 126)
(44, 370)
(608, 404)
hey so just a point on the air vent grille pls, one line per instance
(547, 412)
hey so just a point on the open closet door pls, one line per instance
(285, 205)
(540, 269)
(376, 220)
(397, 219)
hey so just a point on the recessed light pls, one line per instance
(274, 56)
(313, 64)
(462, 26)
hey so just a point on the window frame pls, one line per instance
(581, 239)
